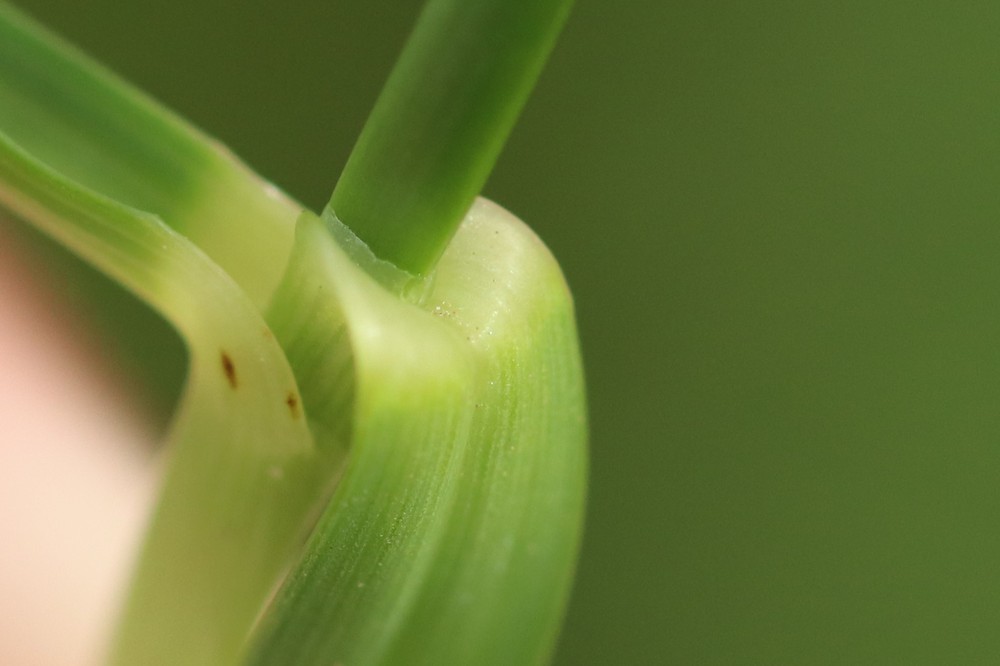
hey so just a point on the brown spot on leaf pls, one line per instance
(293, 404)
(229, 369)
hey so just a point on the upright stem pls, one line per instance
(440, 123)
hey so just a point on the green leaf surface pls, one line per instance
(90, 126)
(243, 471)
(452, 536)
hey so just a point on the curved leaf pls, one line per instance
(452, 536)
(244, 472)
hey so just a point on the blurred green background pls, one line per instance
(780, 221)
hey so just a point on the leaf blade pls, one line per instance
(244, 471)
(458, 517)
(72, 114)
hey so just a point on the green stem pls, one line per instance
(440, 123)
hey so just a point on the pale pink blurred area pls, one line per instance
(77, 474)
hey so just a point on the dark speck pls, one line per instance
(229, 369)
(293, 404)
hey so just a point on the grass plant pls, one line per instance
(379, 455)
